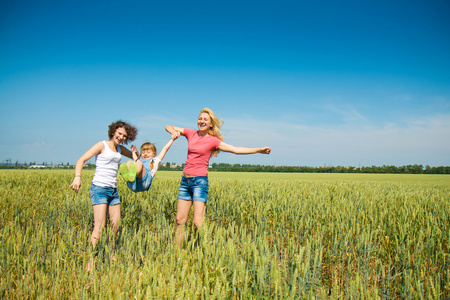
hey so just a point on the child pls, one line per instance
(104, 196)
(139, 174)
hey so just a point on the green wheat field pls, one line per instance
(265, 236)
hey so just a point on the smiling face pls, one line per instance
(148, 150)
(130, 130)
(147, 153)
(120, 136)
(204, 123)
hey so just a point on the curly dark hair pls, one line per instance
(130, 129)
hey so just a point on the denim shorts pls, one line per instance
(141, 185)
(194, 188)
(104, 195)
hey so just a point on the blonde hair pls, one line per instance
(151, 147)
(215, 129)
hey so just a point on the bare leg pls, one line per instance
(114, 216)
(199, 213)
(99, 222)
(199, 216)
(183, 208)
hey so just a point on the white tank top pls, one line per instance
(106, 166)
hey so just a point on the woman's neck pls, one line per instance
(112, 144)
(203, 133)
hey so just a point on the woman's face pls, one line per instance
(204, 122)
(119, 136)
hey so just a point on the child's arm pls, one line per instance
(134, 153)
(161, 155)
(164, 150)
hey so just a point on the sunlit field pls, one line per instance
(265, 236)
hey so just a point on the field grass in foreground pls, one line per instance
(284, 236)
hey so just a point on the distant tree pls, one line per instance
(439, 170)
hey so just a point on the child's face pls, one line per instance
(147, 153)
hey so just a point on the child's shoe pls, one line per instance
(132, 171)
(123, 171)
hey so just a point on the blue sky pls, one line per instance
(355, 83)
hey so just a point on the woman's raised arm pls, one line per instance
(243, 150)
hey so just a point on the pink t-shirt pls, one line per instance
(200, 149)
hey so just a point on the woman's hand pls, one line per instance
(265, 150)
(242, 150)
(174, 131)
(76, 184)
(174, 135)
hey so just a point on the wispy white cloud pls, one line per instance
(347, 113)
(421, 141)
(408, 140)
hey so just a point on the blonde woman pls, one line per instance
(202, 143)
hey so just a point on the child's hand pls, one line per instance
(175, 135)
(134, 153)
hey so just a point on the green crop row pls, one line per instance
(265, 236)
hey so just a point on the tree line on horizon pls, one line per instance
(226, 167)
(385, 169)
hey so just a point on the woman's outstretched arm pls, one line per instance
(242, 150)
(174, 131)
